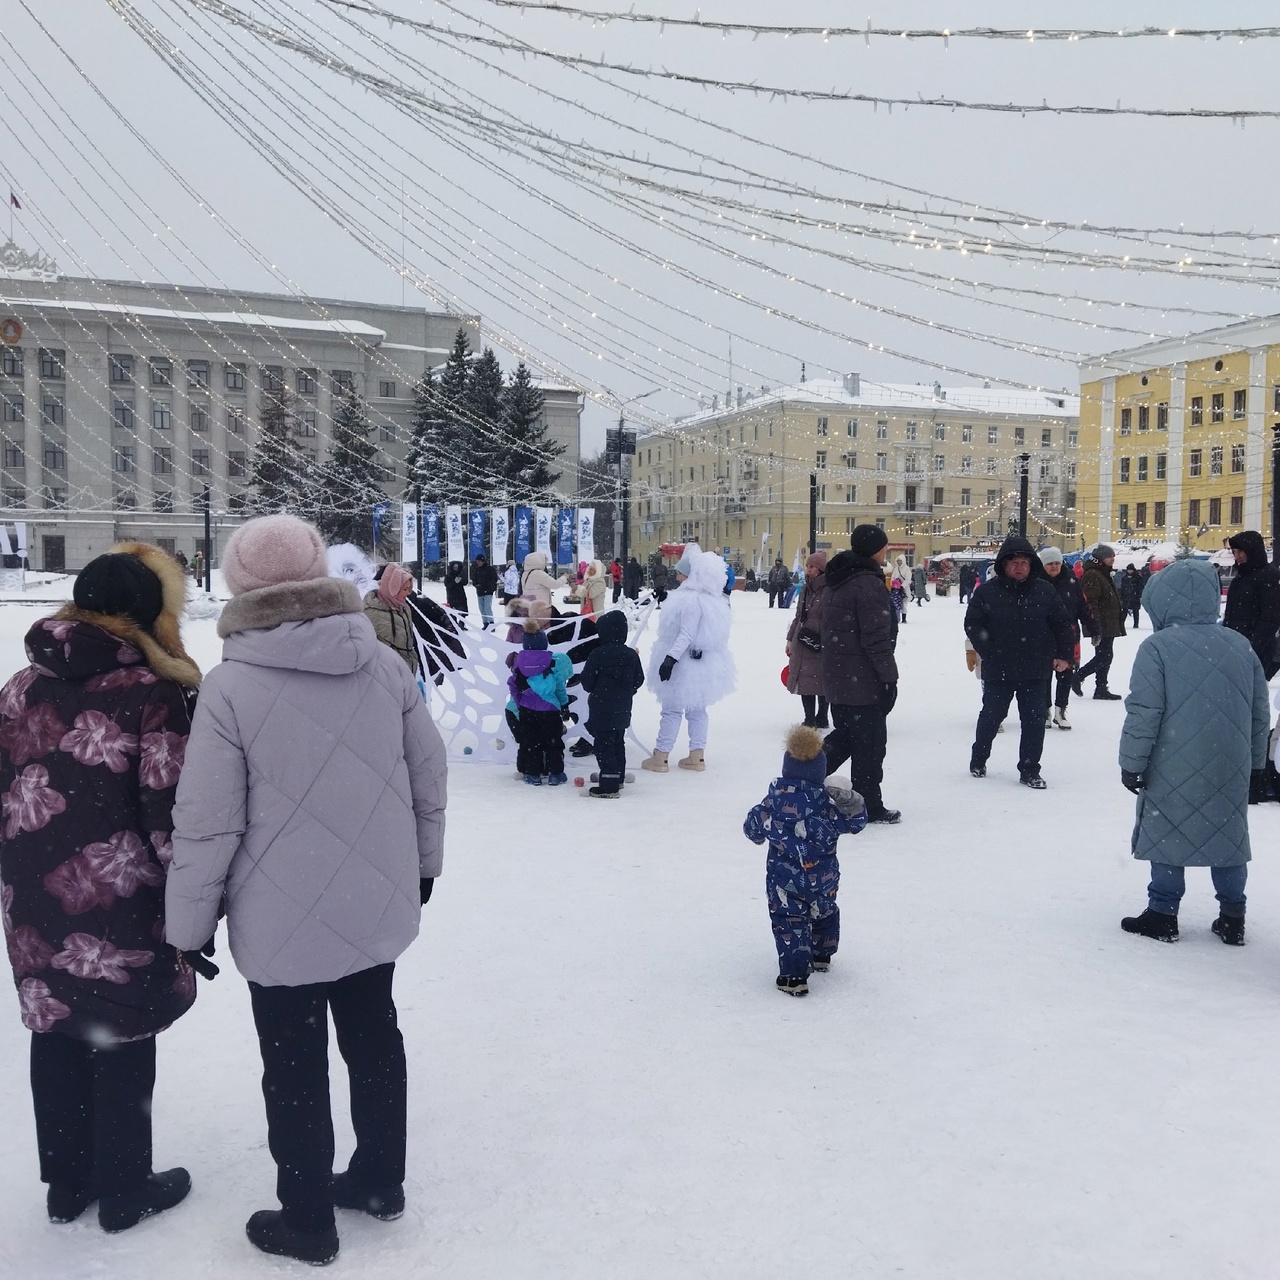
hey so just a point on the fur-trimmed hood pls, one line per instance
(162, 646)
(289, 602)
(78, 653)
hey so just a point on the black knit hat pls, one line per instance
(868, 539)
(120, 585)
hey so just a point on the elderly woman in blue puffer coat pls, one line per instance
(1196, 726)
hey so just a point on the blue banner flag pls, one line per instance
(431, 534)
(564, 536)
(475, 533)
(524, 533)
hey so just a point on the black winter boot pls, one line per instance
(384, 1203)
(161, 1191)
(268, 1231)
(1230, 929)
(1105, 695)
(66, 1203)
(821, 964)
(792, 986)
(1152, 924)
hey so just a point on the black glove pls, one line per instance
(668, 666)
(1132, 781)
(197, 961)
(424, 888)
(888, 697)
(565, 714)
(522, 681)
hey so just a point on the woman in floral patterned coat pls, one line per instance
(92, 736)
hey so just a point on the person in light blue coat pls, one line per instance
(1196, 726)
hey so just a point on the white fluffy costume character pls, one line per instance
(693, 632)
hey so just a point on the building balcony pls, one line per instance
(912, 508)
(735, 508)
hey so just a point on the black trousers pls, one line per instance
(1033, 706)
(815, 709)
(611, 756)
(293, 1034)
(541, 741)
(774, 596)
(1062, 687)
(1100, 664)
(1136, 611)
(860, 736)
(93, 1111)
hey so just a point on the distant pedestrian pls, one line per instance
(919, 584)
(455, 586)
(1131, 584)
(1253, 599)
(1106, 621)
(804, 644)
(615, 578)
(1068, 588)
(778, 582)
(632, 578)
(1195, 731)
(510, 583)
(612, 676)
(484, 577)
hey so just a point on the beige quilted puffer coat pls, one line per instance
(313, 792)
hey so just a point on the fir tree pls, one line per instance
(348, 486)
(453, 459)
(280, 478)
(488, 449)
(528, 452)
(423, 461)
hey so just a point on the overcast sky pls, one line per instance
(579, 276)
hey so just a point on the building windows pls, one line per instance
(1215, 511)
(1046, 437)
(162, 501)
(1162, 417)
(935, 528)
(54, 411)
(939, 430)
(197, 375)
(1140, 516)
(54, 497)
(912, 429)
(199, 462)
(1019, 435)
(1197, 411)
(940, 462)
(305, 380)
(1162, 467)
(387, 434)
(821, 461)
(122, 414)
(882, 494)
(851, 493)
(1069, 502)
(162, 415)
(1275, 393)
(344, 381)
(53, 364)
(993, 496)
(993, 435)
(851, 428)
(1237, 511)
(1193, 513)
(124, 458)
(1142, 468)
(966, 433)
(199, 418)
(966, 529)
(939, 497)
(1124, 470)
(235, 421)
(1237, 459)
(233, 376)
(1073, 439)
(272, 380)
(1124, 515)
(1158, 516)
(14, 458)
(55, 457)
(966, 497)
(991, 466)
(120, 368)
(913, 466)
(851, 461)
(1144, 418)
(1046, 471)
(882, 429)
(1240, 404)
(162, 461)
(1195, 457)
(909, 527)
(304, 422)
(1217, 403)
(1126, 422)
(162, 373)
(1215, 460)
(993, 529)
(124, 500)
(382, 391)
(14, 408)
(11, 365)
(882, 462)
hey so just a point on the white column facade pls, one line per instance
(1177, 438)
(1106, 459)
(1255, 438)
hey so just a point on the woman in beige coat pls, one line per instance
(804, 670)
(536, 583)
(387, 610)
(595, 587)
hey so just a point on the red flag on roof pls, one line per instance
(13, 200)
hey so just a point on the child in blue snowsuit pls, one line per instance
(612, 676)
(801, 822)
(539, 691)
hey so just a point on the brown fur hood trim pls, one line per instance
(177, 667)
(289, 602)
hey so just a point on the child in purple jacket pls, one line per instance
(539, 691)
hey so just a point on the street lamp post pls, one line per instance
(615, 451)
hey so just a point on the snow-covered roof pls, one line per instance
(921, 397)
(1260, 331)
(239, 319)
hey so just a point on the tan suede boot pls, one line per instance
(656, 763)
(694, 761)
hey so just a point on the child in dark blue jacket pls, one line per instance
(801, 821)
(611, 677)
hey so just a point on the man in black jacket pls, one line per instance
(1022, 634)
(859, 674)
(1253, 598)
(484, 577)
(778, 582)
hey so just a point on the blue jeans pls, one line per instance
(1168, 884)
(486, 610)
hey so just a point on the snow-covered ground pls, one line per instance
(994, 1082)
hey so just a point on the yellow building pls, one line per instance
(935, 467)
(1175, 437)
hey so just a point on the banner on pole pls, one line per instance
(587, 533)
(431, 533)
(475, 533)
(501, 534)
(455, 547)
(543, 539)
(524, 533)
(409, 546)
(564, 536)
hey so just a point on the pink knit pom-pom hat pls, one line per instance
(273, 549)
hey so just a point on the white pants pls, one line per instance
(669, 727)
